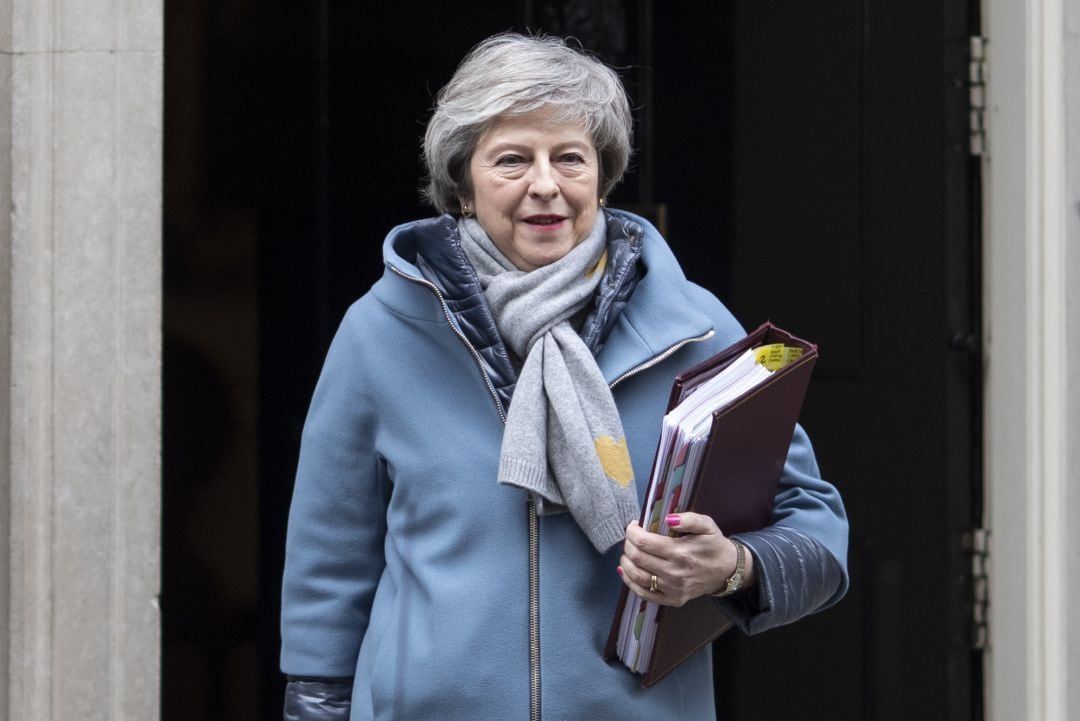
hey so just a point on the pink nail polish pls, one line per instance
(618, 569)
(672, 519)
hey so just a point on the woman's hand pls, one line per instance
(696, 563)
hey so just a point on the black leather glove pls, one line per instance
(318, 699)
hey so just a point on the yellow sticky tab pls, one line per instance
(776, 355)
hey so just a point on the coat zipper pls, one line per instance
(661, 358)
(530, 504)
(534, 609)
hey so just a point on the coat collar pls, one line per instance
(658, 315)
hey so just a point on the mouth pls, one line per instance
(544, 220)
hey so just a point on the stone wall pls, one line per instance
(80, 315)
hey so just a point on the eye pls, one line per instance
(509, 161)
(572, 158)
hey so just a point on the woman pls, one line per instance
(476, 449)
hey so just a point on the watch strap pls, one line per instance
(734, 583)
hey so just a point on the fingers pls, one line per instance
(637, 567)
(648, 549)
(640, 582)
(640, 542)
(688, 522)
(641, 576)
(636, 588)
(634, 575)
(686, 566)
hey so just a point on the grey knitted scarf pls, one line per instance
(563, 440)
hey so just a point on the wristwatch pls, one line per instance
(735, 582)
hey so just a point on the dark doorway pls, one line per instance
(810, 168)
(851, 202)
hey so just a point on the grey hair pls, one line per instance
(512, 75)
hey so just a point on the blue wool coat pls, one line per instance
(407, 563)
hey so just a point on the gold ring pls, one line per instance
(654, 584)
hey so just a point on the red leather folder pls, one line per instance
(739, 475)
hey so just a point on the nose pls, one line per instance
(542, 181)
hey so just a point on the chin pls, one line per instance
(546, 256)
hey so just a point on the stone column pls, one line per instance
(1032, 276)
(1071, 81)
(80, 316)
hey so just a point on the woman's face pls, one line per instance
(535, 187)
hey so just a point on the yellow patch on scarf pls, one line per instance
(599, 267)
(615, 458)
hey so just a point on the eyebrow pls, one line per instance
(499, 147)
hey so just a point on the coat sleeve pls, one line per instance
(337, 521)
(801, 559)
